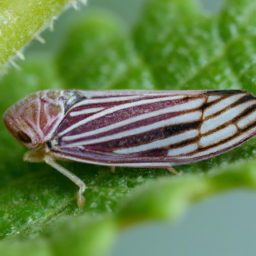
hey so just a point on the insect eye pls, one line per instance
(24, 137)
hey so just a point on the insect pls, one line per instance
(130, 128)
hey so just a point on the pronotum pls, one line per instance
(130, 128)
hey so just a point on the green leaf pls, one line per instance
(237, 29)
(100, 47)
(169, 198)
(180, 45)
(20, 22)
(237, 18)
(173, 46)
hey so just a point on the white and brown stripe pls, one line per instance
(153, 127)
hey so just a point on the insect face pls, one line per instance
(31, 120)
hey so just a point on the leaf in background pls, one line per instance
(237, 28)
(179, 43)
(99, 54)
(21, 21)
(173, 46)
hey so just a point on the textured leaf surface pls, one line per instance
(20, 21)
(174, 46)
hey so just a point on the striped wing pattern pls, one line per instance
(155, 129)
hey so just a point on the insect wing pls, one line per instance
(154, 128)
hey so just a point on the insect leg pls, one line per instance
(173, 171)
(113, 169)
(80, 198)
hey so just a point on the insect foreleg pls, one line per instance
(80, 198)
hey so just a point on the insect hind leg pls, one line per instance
(173, 171)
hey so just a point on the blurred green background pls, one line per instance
(223, 225)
